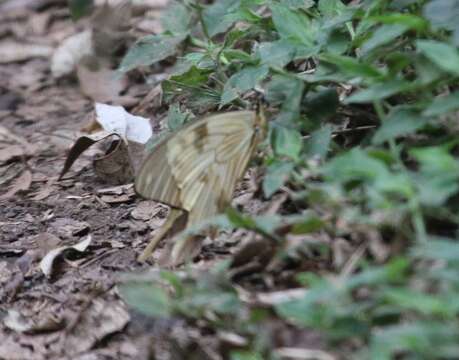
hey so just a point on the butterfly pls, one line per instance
(196, 169)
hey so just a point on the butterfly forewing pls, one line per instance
(197, 168)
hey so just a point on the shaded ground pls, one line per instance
(77, 313)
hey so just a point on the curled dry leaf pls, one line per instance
(47, 263)
(125, 154)
(116, 119)
(115, 167)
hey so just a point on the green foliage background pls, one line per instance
(363, 100)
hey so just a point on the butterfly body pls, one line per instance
(196, 169)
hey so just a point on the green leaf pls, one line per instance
(355, 165)
(309, 225)
(293, 25)
(438, 249)
(176, 19)
(240, 220)
(417, 301)
(299, 4)
(149, 50)
(399, 122)
(443, 105)
(409, 20)
(278, 53)
(382, 36)
(351, 66)
(176, 118)
(245, 355)
(379, 91)
(148, 299)
(242, 81)
(276, 175)
(438, 178)
(319, 142)
(321, 105)
(287, 92)
(214, 16)
(442, 13)
(80, 8)
(286, 141)
(443, 55)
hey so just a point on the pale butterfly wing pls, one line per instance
(196, 169)
(207, 165)
(155, 180)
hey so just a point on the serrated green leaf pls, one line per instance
(293, 25)
(242, 81)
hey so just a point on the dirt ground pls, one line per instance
(76, 312)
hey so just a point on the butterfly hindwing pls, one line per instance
(155, 180)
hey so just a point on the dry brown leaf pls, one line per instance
(99, 82)
(101, 319)
(22, 183)
(47, 263)
(11, 153)
(15, 51)
(116, 166)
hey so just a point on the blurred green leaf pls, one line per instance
(399, 122)
(80, 8)
(379, 91)
(146, 298)
(443, 55)
(382, 36)
(176, 19)
(443, 105)
(149, 50)
(276, 175)
(214, 16)
(285, 141)
(319, 142)
(277, 53)
(293, 25)
(242, 81)
(176, 118)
